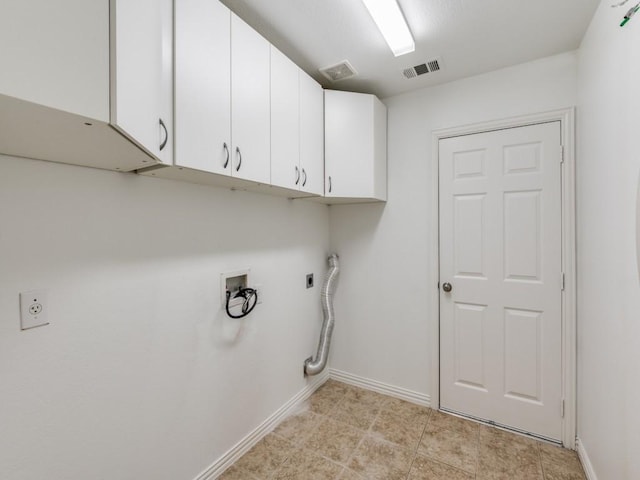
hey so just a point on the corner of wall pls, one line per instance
(585, 461)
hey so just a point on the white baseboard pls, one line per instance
(384, 388)
(219, 466)
(586, 463)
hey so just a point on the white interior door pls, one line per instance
(500, 251)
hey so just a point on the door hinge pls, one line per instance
(562, 408)
(563, 283)
(561, 153)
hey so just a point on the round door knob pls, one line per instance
(446, 286)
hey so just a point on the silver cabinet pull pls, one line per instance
(226, 149)
(304, 177)
(239, 159)
(329, 184)
(297, 174)
(163, 143)
(446, 286)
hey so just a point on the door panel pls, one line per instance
(523, 349)
(140, 63)
(311, 134)
(470, 367)
(203, 86)
(469, 221)
(500, 244)
(285, 121)
(250, 103)
(522, 242)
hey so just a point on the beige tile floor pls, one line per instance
(347, 433)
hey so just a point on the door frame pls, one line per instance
(566, 117)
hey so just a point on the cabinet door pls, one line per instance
(56, 54)
(285, 125)
(250, 103)
(311, 135)
(349, 144)
(203, 85)
(141, 83)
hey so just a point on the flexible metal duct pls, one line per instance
(311, 366)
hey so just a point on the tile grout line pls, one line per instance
(345, 465)
(323, 417)
(417, 447)
(475, 473)
(366, 433)
(544, 475)
(326, 416)
(455, 467)
(300, 447)
(381, 408)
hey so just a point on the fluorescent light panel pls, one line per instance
(392, 25)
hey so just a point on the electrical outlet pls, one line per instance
(33, 309)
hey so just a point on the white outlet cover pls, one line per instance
(33, 309)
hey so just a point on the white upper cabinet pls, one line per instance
(250, 103)
(180, 89)
(285, 122)
(311, 135)
(203, 86)
(355, 147)
(142, 73)
(55, 82)
(222, 99)
(297, 138)
(56, 54)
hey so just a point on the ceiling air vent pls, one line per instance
(339, 71)
(427, 67)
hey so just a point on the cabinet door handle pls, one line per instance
(163, 143)
(329, 184)
(226, 149)
(239, 159)
(297, 175)
(304, 177)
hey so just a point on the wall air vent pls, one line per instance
(339, 71)
(426, 67)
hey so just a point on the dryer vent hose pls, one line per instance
(314, 366)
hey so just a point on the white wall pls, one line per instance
(139, 375)
(384, 295)
(608, 288)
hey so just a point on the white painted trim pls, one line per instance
(434, 272)
(380, 387)
(569, 302)
(586, 462)
(566, 117)
(225, 461)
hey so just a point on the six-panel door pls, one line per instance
(500, 250)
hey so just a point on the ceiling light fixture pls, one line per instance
(392, 25)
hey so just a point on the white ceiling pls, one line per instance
(470, 36)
